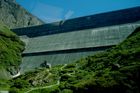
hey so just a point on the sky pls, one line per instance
(56, 10)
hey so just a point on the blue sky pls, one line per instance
(55, 10)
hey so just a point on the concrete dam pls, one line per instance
(70, 40)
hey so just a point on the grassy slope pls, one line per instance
(10, 52)
(114, 71)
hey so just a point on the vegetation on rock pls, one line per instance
(10, 53)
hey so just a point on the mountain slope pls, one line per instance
(13, 15)
(115, 71)
(10, 52)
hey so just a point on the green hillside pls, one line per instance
(115, 71)
(10, 53)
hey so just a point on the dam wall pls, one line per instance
(69, 47)
(68, 41)
(118, 17)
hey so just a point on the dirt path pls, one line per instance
(63, 67)
(58, 82)
(18, 74)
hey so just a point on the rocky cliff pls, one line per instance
(14, 16)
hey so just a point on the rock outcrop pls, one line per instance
(14, 16)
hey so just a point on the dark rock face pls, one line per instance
(14, 16)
